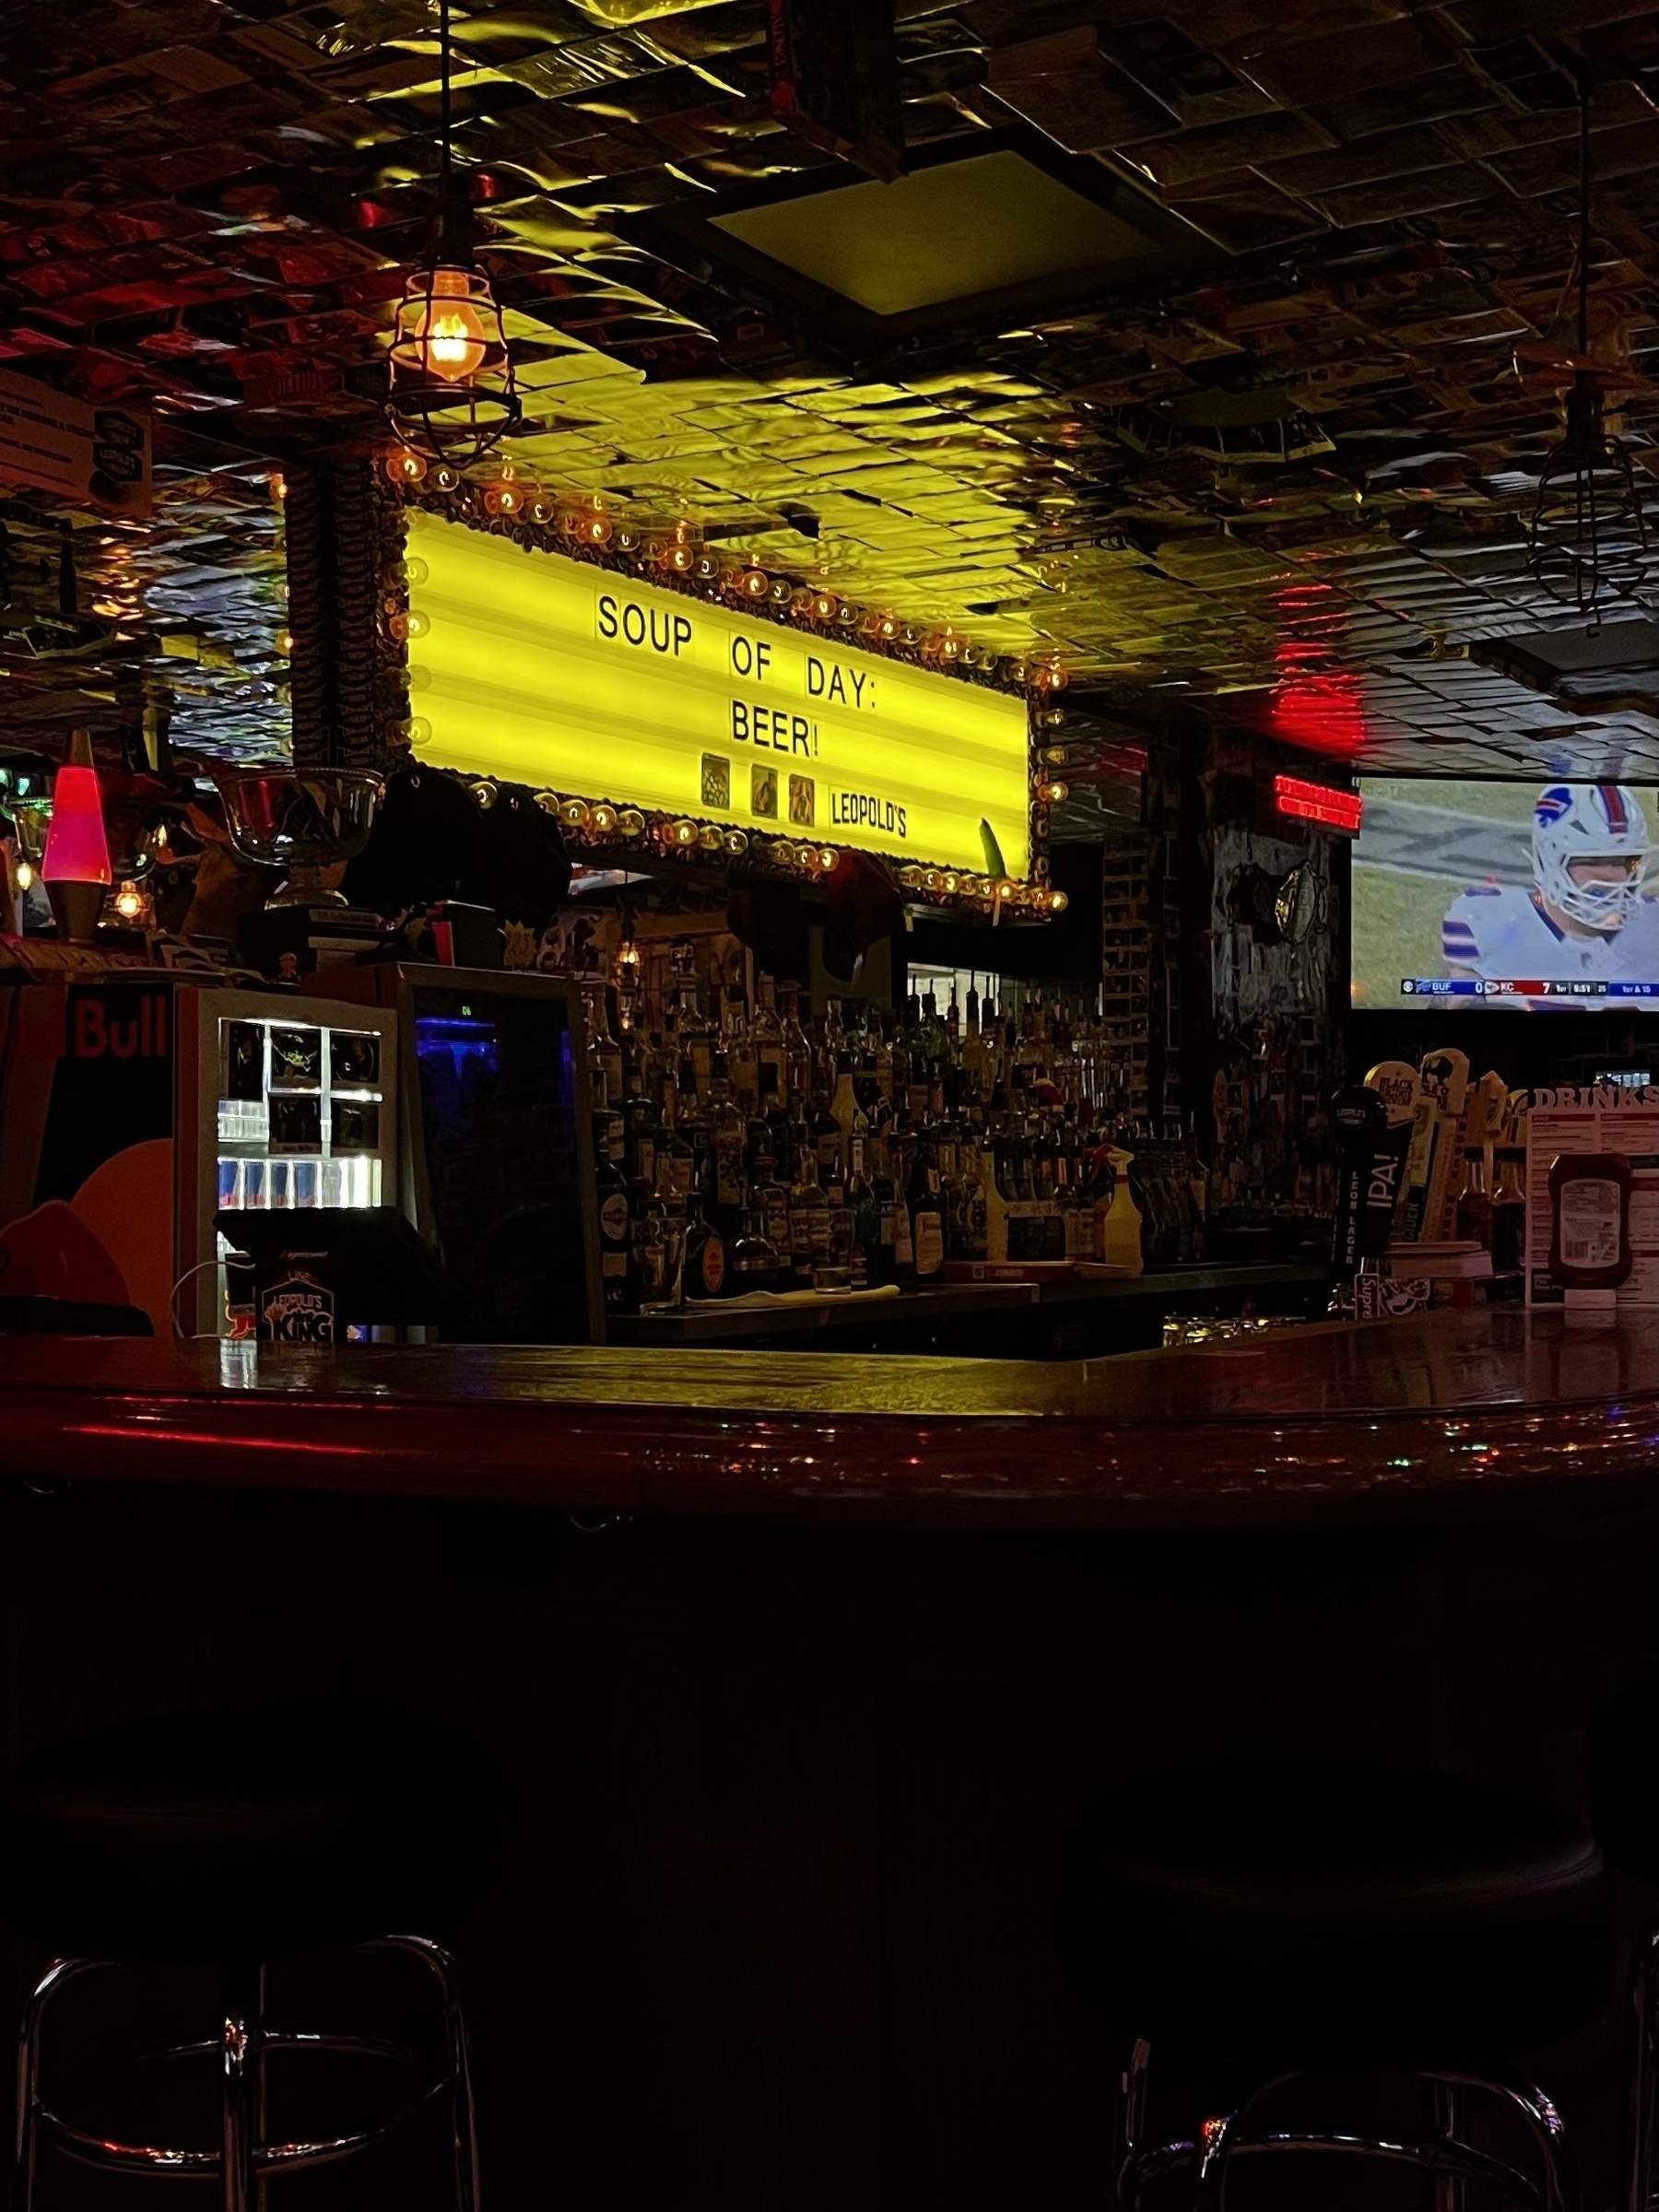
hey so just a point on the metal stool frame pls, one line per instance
(1642, 2191)
(1451, 2161)
(245, 2160)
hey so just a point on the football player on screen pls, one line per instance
(1585, 918)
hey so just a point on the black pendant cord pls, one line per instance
(453, 223)
(443, 80)
(1584, 254)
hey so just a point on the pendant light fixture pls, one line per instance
(1589, 543)
(452, 396)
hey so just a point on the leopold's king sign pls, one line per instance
(564, 675)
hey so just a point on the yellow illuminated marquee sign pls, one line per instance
(567, 676)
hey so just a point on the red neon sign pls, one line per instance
(1318, 803)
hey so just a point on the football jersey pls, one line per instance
(1502, 932)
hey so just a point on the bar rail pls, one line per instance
(1453, 1414)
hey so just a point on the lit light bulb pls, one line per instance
(406, 467)
(23, 876)
(129, 903)
(1058, 902)
(451, 337)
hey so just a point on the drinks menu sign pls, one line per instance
(564, 675)
(1574, 1119)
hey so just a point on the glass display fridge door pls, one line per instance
(292, 1104)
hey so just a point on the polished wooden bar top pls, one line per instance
(1452, 1413)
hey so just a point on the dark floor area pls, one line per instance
(773, 1921)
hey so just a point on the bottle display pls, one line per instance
(744, 1141)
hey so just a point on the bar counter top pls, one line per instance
(1451, 1414)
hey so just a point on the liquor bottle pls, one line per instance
(743, 1064)
(604, 1053)
(797, 1049)
(728, 1136)
(768, 1038)
(644, 1133)
(899, 1065)
(647, 1220)
(980, 1170)
(705, 1254)
(933, 1034)
(832, 1041)
(882, 1055)
(1076, 1223)
(826, 1138)
(691, 1116)
(899, 1259)
(833, 1269)
(610, 1130)
(864, 1215)
(675, 1161)
(849, 1116)
(953, 1196)
(688, 1026)
(772, 1202)
(616, 1239)
(757, 1263)
(916, 1090)
(808, 1218)
(1509, 1212)
(927, 1217)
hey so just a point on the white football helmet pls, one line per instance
(1590, 822)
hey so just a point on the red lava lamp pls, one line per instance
(75, 866)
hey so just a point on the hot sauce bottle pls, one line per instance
(1589, 1199)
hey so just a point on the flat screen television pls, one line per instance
(1530, 896)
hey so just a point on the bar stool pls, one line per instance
(1623, 1747)
(1276, 1922)
(231, 1840)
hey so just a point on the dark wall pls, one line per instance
(1068, 947)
